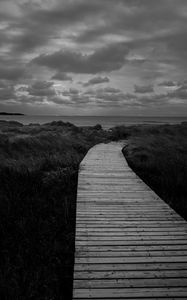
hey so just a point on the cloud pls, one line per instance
(41, 88)
(127, 40)
(60, 100)
(11, 73)
(105, 59)
(62, 77)
(153, 100)
(80, 99)
(135, 17)
(3, 84)
(40, 85)
(70, 92)
(74, 97)
(96, 80)
(111, 95)
(67, 12)
(177, 46)
(180, 93)
(100, 91)
(29, 99)
(183, 85)
(136, 60)
(38, 23)
(7, 93)
(167, 83)
(109, 90)
(169, 98)
(29, 39)
(143, 89)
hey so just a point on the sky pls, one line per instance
(101, 57)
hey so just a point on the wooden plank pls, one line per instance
(147, 298)
(127, 293)
(101, 219)
(138, 247)
(129, 243)
(131, 238)
(131, 266)
(130, 260)
(133, 230)
(122, 234)
(123, 226)
(130, 283)
(116, 274)
(131, 253)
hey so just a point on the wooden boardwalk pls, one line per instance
(129, 243)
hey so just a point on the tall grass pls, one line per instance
(38, 182)
(159, 156)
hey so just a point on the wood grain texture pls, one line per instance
(129, 243)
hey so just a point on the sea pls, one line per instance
(106, 121)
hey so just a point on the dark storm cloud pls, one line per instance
(160, 25)
(41, 88)
(60, 100)
(180, 93)
(182, 84)
(177, 44)
(40, 85)
(164, 99)
(109, 58)
(96, 80)
(143, 89)
(137, 61)
(41, 24)
(80, 99)
(7, 93)
(29, 99)
(30, 39)
(3, 84)
(11, 73)
(62, 77)
(153, 100)
(111, 95)
(72, 97)
(121, 100)
(134, 16)
(167, 83)
(110, 90)
(103, 97)
(67, 12)
(101, 91)
(70, 92)
(114, 97)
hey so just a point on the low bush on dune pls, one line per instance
(119, 133)
(159, 156)
(38, 182)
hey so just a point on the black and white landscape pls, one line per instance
(102, 82)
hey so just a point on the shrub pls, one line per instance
(38, 181)
(160, 159)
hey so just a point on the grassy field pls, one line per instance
(38, 182)
(158, 155)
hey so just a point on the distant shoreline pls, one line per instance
(106, 122)
(10, 114)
